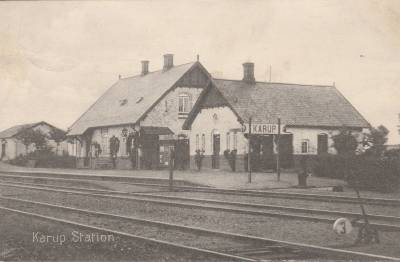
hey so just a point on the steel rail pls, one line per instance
(306, 247)
(230, 203)
(387, 227)
(132, 236)
(261, 193)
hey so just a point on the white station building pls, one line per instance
(183, 107)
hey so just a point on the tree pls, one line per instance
(377, 140)
(58, 136)
(345, 142)
(29, 136)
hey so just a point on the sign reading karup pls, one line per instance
(261, 129)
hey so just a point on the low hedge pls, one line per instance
(368, 172)
(45, 158)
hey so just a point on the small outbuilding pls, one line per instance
(11, 146)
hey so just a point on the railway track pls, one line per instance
(385, 223)
(223, 245)
(270, 194)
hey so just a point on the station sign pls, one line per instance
(261, 129)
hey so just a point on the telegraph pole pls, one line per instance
(249, 152)
(278, 164)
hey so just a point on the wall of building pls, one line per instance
(219, 120)
(103, 139)
(223, 121)
(15, 148)
(166, 112)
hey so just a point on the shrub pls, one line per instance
(231, 157)
(372, 173)
(45, 158)
(365, 171)
(19, 161)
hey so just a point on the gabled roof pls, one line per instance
(14, 130)
(129, 99)
(296, 105)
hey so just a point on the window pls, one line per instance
(166, 105)
(203, 142)
(123, 102)
(104, 140)
(234, 140)
(305, 146)
(197, 142)
(184, 104)
(104, 132)
(228, 140)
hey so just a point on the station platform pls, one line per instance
(207, 177)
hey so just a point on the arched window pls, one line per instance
(184, 104)
(305, 146)
(228, 140)
(197, 142)
(235, 140)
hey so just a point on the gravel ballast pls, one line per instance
(316, 233)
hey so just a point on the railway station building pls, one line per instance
(183, 108)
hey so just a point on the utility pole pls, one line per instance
(278, 164)
(249, 152)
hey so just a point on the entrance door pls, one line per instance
(322, 146)
(266, 153)
(216, 149)
(182, 154)
(286, 150)
(151, 152)
(3, 150)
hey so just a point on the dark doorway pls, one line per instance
(216, 150)
(286, 150)
(322, 146)
(182, 153)
(262, 156)
(151, 152)
(3, 150)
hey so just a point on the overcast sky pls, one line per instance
(57, 58)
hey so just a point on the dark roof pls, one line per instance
(156, 130)
(13, 131)
(296, 105)
(129, 99)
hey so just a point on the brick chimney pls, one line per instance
(145, 67)
(248, 72)
(168, 61)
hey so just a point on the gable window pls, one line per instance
(305, 146)
(228, 140)
(197, 142)
(203, 142)
(184, 104)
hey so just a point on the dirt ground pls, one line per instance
(21, 240)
